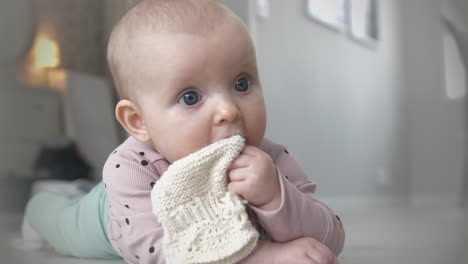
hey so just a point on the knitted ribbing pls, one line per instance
(203, 222)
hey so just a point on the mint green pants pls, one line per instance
(73, 228)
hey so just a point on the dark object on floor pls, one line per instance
(62, 162)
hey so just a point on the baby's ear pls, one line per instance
(130, 117)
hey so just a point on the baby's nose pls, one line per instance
(226, 111)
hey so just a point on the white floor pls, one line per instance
(405, 236)
(388, 235)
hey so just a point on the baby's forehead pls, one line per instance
(147, 43)
(173, 45)
(180, 58)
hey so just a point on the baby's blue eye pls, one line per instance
(189, 98)
(242, 85)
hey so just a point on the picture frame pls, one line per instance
(363, 21)
(331, 13)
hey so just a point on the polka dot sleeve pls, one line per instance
(129, 175)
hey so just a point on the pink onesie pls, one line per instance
(136, 235)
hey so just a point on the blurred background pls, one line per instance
(369, 96)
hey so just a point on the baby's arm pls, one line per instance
(300, 213)
(133, 230)
(294, 211)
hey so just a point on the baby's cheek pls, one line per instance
(255, 136)
(258, 127)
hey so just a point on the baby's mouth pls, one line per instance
(237, 132)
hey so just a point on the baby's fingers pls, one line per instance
(237, 187)
(236, 175)
(241, 161)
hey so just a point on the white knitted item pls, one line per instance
(202, 221)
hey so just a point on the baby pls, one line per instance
(187, 76)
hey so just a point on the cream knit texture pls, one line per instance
(202, 221)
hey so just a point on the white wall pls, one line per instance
(335, 103)
(459, 11)
(436, 125)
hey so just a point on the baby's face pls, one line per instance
(197, 89)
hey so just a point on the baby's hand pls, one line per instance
(304, 250)
(253, 177)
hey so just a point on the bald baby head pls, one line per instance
(150, 18)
